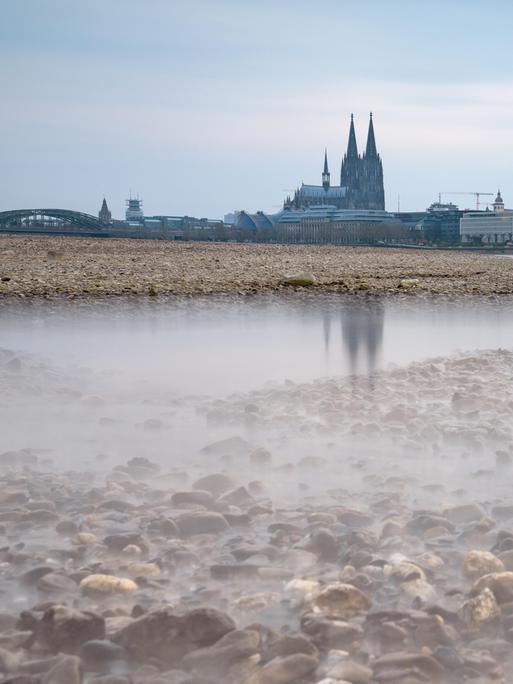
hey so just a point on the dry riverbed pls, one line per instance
(56, 266)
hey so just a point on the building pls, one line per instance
(361, 180)
(134, 213)
(488, 227)
(104, 214)
(441, 224)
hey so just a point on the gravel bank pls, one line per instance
(49, 266)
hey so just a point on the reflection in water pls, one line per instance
(362, 336)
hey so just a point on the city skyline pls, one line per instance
(201, 110)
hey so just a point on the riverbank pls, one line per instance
(33, 266)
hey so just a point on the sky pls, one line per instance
(201, 107)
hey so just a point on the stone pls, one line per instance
(67, 671)
(424, 663)
(351, 671)
(165, 635)
(64, 629)
(199, 522)
(232, 445)
(83, 538)
(324, 543)
(216, 484)
(326, 632)
(196, 497)
(465, 513)
(303, 279)
(479, 563)
(143, 569)
(236, 497)
(117, 542)
(342, 600)
(102, 651)
(107, 584)
(285, 670)
(481, 608)
(500, 583)
(54, 582)
(289, 644)
(409, 283)
(260, 457)
(216, 660)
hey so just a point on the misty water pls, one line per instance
(355, 440)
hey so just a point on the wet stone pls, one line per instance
(201, 523)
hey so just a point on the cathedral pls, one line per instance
(361, 180)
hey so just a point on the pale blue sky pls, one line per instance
(205, 106)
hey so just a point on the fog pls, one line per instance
(344, 442)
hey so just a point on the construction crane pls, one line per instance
(477, 195)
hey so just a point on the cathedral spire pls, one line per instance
(325, 173)
(371, 141)
(352, 149)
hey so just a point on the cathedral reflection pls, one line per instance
(361, 336)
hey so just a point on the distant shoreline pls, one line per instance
(49, 266)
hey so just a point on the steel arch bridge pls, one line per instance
(17, 217)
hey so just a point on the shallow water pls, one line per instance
(343, 421)
(216, 346)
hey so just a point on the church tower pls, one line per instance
(498, 205)
(325, 173)
(372, 191)
(104, 214)
(350, 170)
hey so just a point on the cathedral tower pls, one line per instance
(350, 169)
(372, 191)
(326, 173)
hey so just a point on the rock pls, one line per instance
(424, 663)
(67, 671)
(117, 542)
(303, 279)
(285, 669)
(233, 446)
(216, 660)
(143, 569)
(199, 522)
(216, 484)
(8, 661)
(466, 513)
(326, 632)
(507, 559)
(107, 584)
(341, 600)
(83, 538)
(479, 563)
(236, 497)
(481, 608)
(196, 497)
(99, 654)
(409, 283)
(65, 629)
(118, 679)
(289, 644)
(260, 457)
(169, 637)
(500, 583)
(54, 582)
(351, 671)
(324, 543)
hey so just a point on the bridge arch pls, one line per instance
(16, 217)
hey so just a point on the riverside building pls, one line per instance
(488, 227)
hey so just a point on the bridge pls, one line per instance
(55, 221)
